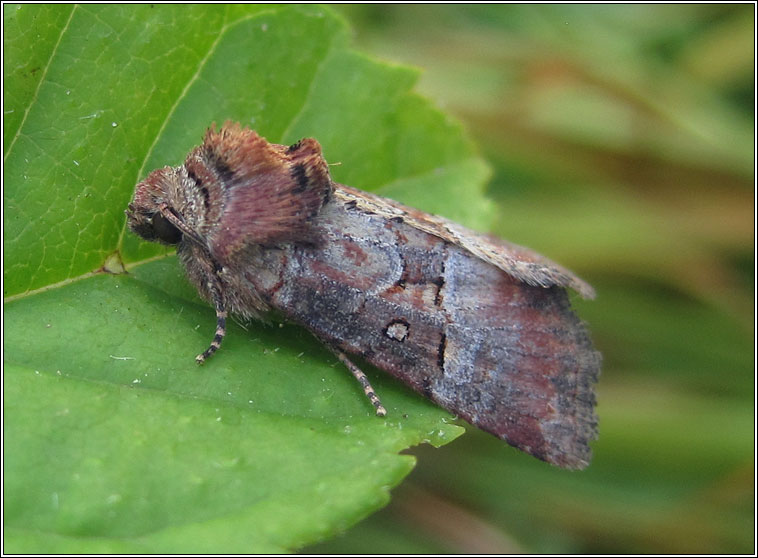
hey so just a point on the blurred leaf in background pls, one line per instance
(621, 137)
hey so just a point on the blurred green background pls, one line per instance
(621, 143)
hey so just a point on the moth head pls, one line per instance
(145, 215)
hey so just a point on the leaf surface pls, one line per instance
(115, 440)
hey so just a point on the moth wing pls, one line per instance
(511, 358)
(517, 261)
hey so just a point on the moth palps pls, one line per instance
(480, 326)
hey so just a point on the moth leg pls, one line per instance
(218, 303)
(214, 286)
(362, 379)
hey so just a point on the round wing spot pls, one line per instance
(397, 330)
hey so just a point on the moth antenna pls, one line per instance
(362, 379)
(179, 223)
(218, 303)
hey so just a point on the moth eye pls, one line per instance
(164, 230)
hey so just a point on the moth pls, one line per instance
(482, 327)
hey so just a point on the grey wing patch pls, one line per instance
(517, 261)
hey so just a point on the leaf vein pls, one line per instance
(39, 85)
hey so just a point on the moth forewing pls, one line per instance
(522, 263)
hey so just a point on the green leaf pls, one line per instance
(115, 440)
